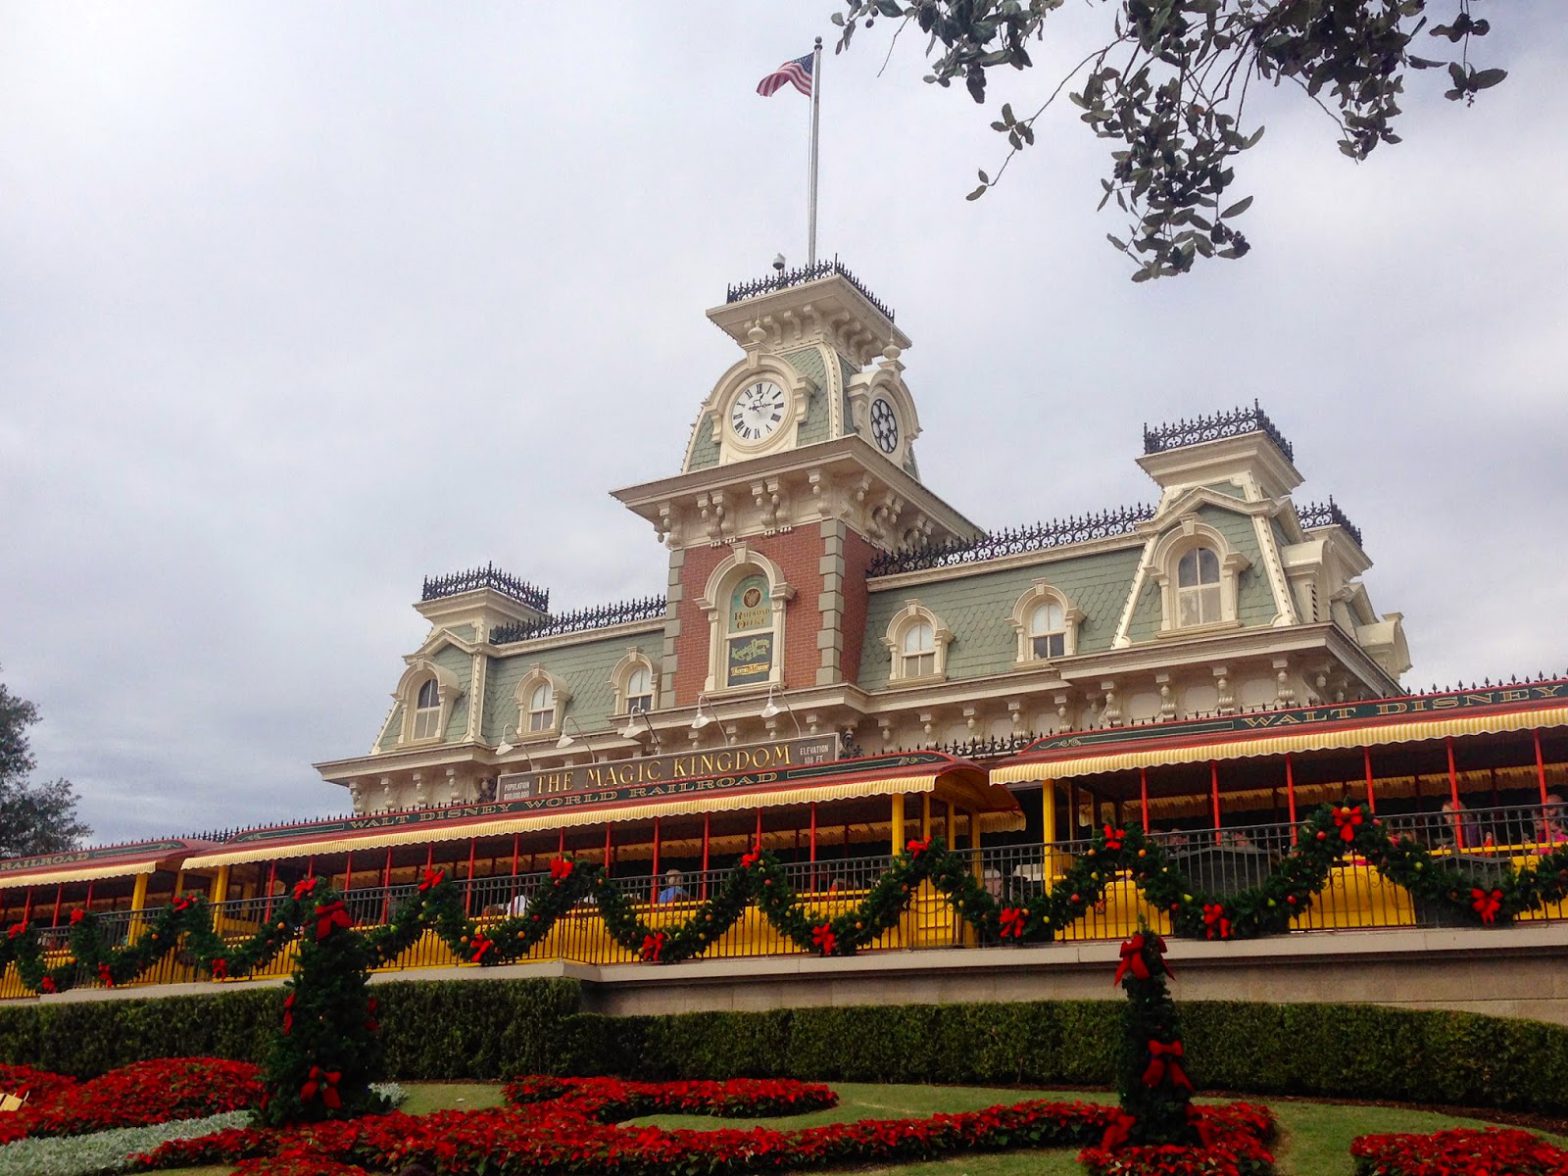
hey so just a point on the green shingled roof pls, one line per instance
(704, 449)
(584, 669)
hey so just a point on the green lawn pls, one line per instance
(1315, 1136)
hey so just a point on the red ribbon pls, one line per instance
(332, 917)
(652, 947)
(16, 929)
(1119, 1131)
(1215, 923)
(431, 880)
(751, 857)
(1165, 1063)
(1114, 838)
(184, 903)
(1132, 960)
(1349, 820)
(324, 1083)
(1486, 904)
(918, 847)
(560, 869)
(1013, 920)
(823, 939)
(288, 1014)
(220, 969)
(304, 887)
(106, 976)
(481, 945)
(77, 916)
(47, 984)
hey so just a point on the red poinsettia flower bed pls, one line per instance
(1233, 1137)
(138, 1095)
(1493, 1151)
(563, 1127)
(39, 1087)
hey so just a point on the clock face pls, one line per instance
(758, 411)
(884, 425)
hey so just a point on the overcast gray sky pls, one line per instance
(301, 302)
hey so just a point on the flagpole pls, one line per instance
(811, 204)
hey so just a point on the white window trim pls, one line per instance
(1167, 554)
(742, 562)
(620, 679)
(448, 691)
(534, 678)
(1039, 592)
(914, 613)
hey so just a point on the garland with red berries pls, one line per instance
(1329, 835)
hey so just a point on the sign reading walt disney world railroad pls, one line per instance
(760, 760)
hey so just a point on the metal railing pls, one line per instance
(1217, 862)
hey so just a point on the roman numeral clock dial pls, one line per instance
(757, 412)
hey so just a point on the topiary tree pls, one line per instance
(1151, 1079)
(328, 1051)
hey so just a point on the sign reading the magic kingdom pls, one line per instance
(1371, 711)
(664, 769)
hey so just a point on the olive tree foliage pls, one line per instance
(1170, 84)
(34, 817)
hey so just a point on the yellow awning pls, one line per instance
(84, 873)
(262, 851)
(1062, 765)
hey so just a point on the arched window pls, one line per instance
(1047, 630)
(1198, 588)
(541, 707)
(917, 642)
(639, 690)
(427, 711)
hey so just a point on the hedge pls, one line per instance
(497, 1029)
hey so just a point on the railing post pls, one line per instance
(1214, 796)
(897, 823)
(220, 895)
(1143, 796)
(138, 901)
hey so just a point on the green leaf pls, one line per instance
(1238, 208)
(977, 193)
(1487, 78)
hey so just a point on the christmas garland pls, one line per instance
(1329, 835)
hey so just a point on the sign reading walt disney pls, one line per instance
(756, 759)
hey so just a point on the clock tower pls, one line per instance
(799, 469)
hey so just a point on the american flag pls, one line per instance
(796, 73)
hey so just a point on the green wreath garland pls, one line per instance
(1326, 837)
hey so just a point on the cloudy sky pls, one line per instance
(301, 302)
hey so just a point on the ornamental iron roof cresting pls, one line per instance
(1212, 428)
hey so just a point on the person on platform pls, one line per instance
(1464, 830)
(518, 905)
(674, 888)
(1551, 829)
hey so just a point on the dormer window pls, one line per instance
(919, 652)
(917, 642)
(1046, 621)
(639, 690)
(1198, 588)
(427, 711)
(1047, 631)
(541, 707)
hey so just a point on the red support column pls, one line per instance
(310, 866)
(517, 845)
(27, 907)
(468, 890)
(653, 886)
(272, 878)
(1143, 796)
(1290, 795)
(607, 828)
(1453, 774)
(1366, 760)
(560, 843)
(430, 855)
(813, 850)
(1214, 796)
(59, 893)
(759, 829)
(386, 887)
(1540, 765)
(348, 874)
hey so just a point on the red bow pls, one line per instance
(481, 945)
(16, 929)
(1486, 904)
(431, 880)
(77, 916)
(1114, 838)
(1349, 820)
(823, 939)
(652, 947)
(288, 1014)
(324, 1083)
(1132, 960)
(560, 868)
(1119, 1131)
(220, 969)
(751, 857)
(46, 984)
(106, 976)
(918, 847)
(304, 887)
(332, 917)
(184, 903)
(1215, 922)
(1165, 1062)
(1013, 920)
